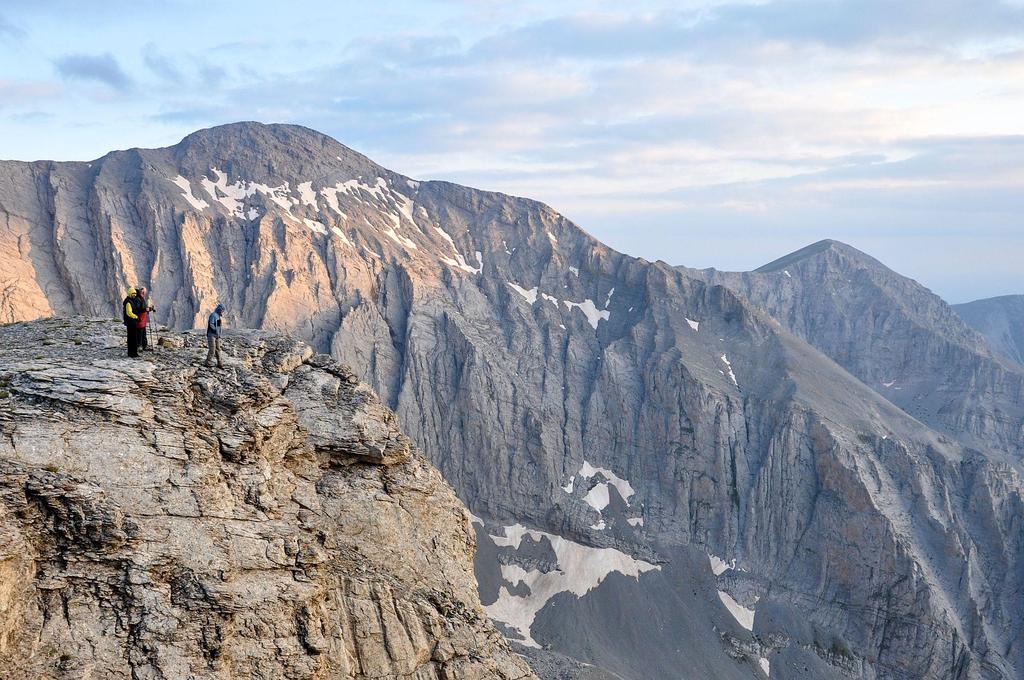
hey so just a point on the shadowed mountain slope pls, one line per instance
(1001, 321)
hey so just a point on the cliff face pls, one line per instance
(902, 340)
(267, 520)
(664, 477)
(1001, 321)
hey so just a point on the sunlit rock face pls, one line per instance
(163, 520)
(668, 480)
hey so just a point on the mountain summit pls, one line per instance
(671, 471)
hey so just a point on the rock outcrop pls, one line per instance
(665, 479)
(267, 520)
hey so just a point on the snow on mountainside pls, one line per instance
(612, 422)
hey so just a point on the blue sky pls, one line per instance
(699, 132)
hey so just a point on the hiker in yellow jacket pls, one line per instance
(131, 307)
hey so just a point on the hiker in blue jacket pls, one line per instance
(213, 326)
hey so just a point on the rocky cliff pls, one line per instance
(665, 480)
(1001, 321)
(898, 337)
(267, 520)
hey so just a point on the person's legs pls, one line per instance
(210, 343)
(133, 340)
(216, 343)
(143, 340)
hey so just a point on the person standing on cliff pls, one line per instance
(213, 326)
(130, 308)
(144, 320)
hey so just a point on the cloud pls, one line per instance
(101, 68)
(10, 30)
(161, 65)
(787, 117)
(16, 94)
(715, 32)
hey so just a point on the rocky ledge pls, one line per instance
(159, 519)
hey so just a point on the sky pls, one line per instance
(699, 132)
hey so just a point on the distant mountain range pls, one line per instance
(810, 470)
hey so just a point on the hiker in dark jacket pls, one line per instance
(144, 320)
(130, 308)
(213, 326)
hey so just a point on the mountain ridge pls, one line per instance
(599, 413)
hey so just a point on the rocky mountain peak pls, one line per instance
(268, 151)
(827, 253)
(270, 519)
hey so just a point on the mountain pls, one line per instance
(270, 520)
(665, 481)
(897, 337)
(1001, 321)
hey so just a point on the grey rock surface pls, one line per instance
(1000, 320)
(163, 520)
(630, 434)
(898, 337)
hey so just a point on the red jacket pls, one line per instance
(144, 314)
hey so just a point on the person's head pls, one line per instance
(142, 291)
(131, 291)
(219, 309)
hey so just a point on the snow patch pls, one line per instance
(459, 261)
(718, 565)
(550, 298)
(505, 246)
(186, 193)
(551, 237)
(233, 196)
(732, 376)
(340, 234)
(576, 271)
(330, 195)
(624, 488)
(635, 521)
(608, 300)
(786, 272)
(889, 384)
(695, 325)
(314, 225)
(306, 193)
(528, 295)
(743, 616)
(399, 239)
(598, 497)
(579, 570)
(765, 666)
(590, 310)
